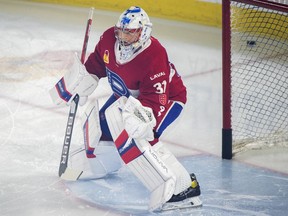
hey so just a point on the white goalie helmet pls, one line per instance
(132, 31)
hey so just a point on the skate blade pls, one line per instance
(187, 203)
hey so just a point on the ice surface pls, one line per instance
(235, 189)
(37, 44)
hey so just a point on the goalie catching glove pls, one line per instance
(139, 120)
(76, 81)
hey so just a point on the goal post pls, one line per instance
(254, 75)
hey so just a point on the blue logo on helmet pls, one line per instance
(134, 10)
(126, 19)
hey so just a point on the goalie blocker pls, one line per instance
(76, 81)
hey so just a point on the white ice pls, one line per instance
(37, 44)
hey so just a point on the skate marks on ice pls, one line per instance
(228, 188)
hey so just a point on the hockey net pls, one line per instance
(256, 75)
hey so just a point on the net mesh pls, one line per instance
(259, 73)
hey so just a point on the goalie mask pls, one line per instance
(132, 31)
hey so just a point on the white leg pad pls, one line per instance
(107, 161)
(141, 159)
(183, 180)
(91, 127)
(152, 171)
(97, 159)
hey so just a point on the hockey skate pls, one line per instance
(186, 199)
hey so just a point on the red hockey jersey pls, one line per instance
(148, 76)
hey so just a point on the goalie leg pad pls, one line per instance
(141, 159)
(154, 174)
(91, 128)
(183, 180)
(107, 157)
(107, 161)
(98, 158)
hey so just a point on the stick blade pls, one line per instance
(71, 174)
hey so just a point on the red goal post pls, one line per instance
(254, 75)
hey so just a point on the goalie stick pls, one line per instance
(87, 33)
(65, 172)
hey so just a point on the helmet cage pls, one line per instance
(127, 36)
